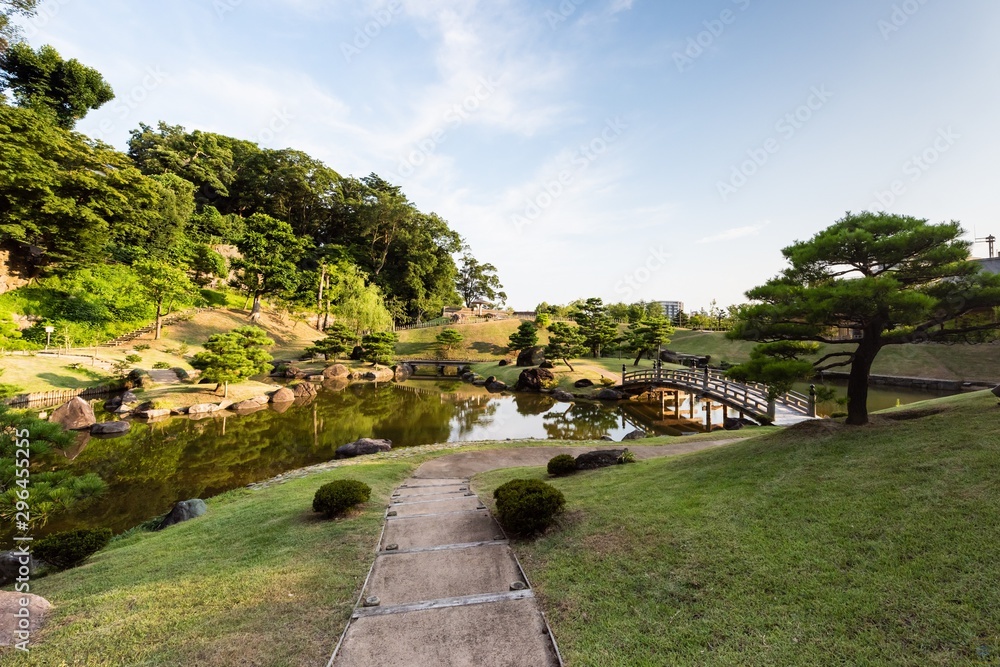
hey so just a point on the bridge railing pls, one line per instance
(752, 396)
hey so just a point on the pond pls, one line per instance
(157, 464)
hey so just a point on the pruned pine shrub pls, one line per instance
(562, 465)
(71, 548)
(337, 497)
(528, 506)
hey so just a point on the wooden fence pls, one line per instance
(60, 396)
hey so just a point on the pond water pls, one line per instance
(157, 464)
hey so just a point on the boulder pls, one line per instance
(203, 409)
(115, 403)
(635, 435)
(531, 357)
(315, 378)
(602, 458)
(10, 606)
(357, 353)
(185, 510)
(250, 404)
(503, 362)
(283, 395)
(547, 365)
(362, 447)
(402, 372)
(563, 396)
(75, 414)
(292, 372)
(996, 391)
(379, 374)
(11, 566)
(608, 438)
(495, 386)
(468, 376)
(583, 384)
(610, 395)
(336, 371)
(139, 378)
(304, 390)
(533, 379)
(279, 369)
(110, 428)
(151, 413)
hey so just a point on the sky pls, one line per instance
(626, 149)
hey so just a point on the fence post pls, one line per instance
(812, 401)
(623, 375)
(705, 380)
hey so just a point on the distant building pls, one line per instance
(991, 265)
(672, 308)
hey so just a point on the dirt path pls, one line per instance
(466, 464)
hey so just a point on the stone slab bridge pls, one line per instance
(438, 366)
(750, 400)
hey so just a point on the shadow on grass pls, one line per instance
(64, 381)
(490, 348)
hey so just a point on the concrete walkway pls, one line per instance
(445, 590)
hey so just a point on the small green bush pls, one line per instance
(133, 358)
(141, 348)
(161, 366)
(626, 457)
(607, 382)
(69, 549)
(528, 506)
(339, 496)
(561, 465)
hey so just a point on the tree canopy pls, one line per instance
(525, 338)
(234, 356)
(648, 334)
(565, 342)
(880, 279)
(597, 327)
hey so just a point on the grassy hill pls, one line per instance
(817, 545)
(486, 340)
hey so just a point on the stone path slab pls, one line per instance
(445, 590)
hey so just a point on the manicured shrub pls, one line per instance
(626, 457)
(561, 465)
(161, 365)
(607, 382)
(339, 496)
(528, 506)
(69, 549)
(141, 348)
(133, 358)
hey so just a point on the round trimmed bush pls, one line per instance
(528, 506)
(69, 549)
(562, 465)
(339, 496)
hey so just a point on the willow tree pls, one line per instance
(882, 280)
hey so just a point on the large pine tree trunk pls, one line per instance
(857, 383)
(255, 313)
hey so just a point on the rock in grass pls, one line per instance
(75, 414)
(583, 384)
(610, 395)
(635, 435)
(363, 447)
(495, 386)
(10, 605)
(111, 428)
(185, 510)
(603, 458)
(996, 391)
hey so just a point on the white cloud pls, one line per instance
(621, 6)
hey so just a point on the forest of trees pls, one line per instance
(98, 230)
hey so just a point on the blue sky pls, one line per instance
(627, 149)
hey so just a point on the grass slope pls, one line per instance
(259, 580)
(816, 545)
(486, 340)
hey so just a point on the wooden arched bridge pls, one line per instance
(749, 400)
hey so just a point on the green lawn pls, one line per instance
(259, 580)
(487, 340)
(816, 545)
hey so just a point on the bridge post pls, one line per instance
(705, 379)
(771, 410)
(623, 375)
(812, 401)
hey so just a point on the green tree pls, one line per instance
(449, 340)
(52, 491)
(43, 81)
(889, 279)
(648, 335)
(162, 284)
(269, 254)
(597, 328)
(206, 264)
(234, 356)
(339, 339)
(202, 158)
(8, 8)
(356, 302)
(525, 338)
(380, 347)
(477, 281)
(565, 342)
